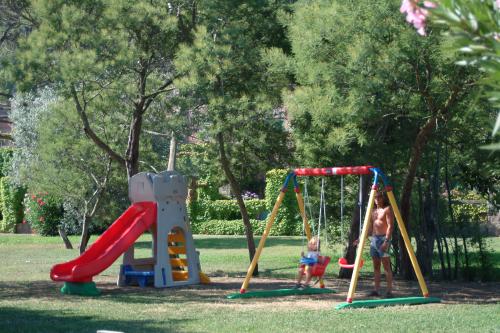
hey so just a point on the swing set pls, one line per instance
(319, 268)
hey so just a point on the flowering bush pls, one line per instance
(44, 212)
(247, 195)
(416, 13)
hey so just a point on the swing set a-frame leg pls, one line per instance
(364, 234)
(406, 238)
(269, 225)
(262, 242)
(361, 244)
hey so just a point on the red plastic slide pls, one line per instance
(109, 246)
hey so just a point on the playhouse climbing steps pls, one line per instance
(177, 247)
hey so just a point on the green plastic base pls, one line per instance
(388, 302)
(281, 292)
(82, 289)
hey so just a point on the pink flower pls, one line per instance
(24, 221)
(430, 4)
(416, 14)
(497, 3)
(33, 197)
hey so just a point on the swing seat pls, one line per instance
(318, 269)
(344, 264)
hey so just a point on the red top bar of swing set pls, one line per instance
(334, 171)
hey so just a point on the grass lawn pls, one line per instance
(30, 302)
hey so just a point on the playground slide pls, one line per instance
(109, 246)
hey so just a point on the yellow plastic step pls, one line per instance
(176, 238)
(177, 262)
(176, 250)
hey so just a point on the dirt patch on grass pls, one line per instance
(215, 293)
(449, 292)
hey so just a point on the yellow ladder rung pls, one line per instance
(180, 275)
(177, 262)
(176, 238)
(176, 250)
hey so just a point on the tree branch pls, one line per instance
(157, 133)
(100, 188)
(156, 93)
(91, 134)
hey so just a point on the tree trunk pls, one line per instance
(84, 239)
(421, 237)
(452, 216)
(67, 242)
(416, 154)
(132, 153)
(239, 198)
(172, 152)
(441, 240)
(193, 190)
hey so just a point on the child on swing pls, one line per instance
(307, 261)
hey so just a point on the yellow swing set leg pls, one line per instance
(406, 238)
(269, 225)
(407, 241)
(359, 251)
(262, 242)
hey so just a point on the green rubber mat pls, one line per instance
(388, 302)
(281, 292)
(82, 289)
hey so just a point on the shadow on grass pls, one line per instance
(216, 292)
(16, 319)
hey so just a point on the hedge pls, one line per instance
(12, 205)
(288, 221)
(203, 210)
(226, 227)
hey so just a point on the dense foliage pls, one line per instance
(11, 204)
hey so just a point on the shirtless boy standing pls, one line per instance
(381, 230)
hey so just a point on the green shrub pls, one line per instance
(203, 210)
(44, 212)
(226, 227)
(12, 204)
(5, 158)
(288, 221)
(470, 207)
